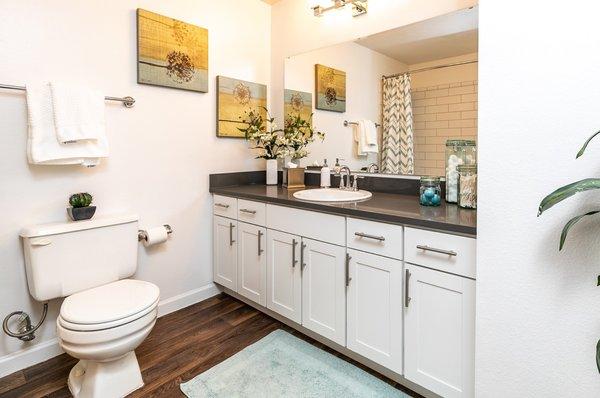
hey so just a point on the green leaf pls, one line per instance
(567, 191)
(585, 144)
(568, 225)
(598, 355)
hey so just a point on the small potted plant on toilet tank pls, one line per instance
(80, 206)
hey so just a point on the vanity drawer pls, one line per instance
(449, 253)
(252, 212)
(225, 206)
(309, 224)
(375, 237)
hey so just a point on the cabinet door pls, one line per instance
(375, 308)
(324, 289)
(252, 263)
(225, 252)
(284, 294)
(439, 325)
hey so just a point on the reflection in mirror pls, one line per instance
(390, 101)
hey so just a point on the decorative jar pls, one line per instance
(458, 153)
(431, 191)
(467, 186)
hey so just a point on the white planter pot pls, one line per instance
(271, 171)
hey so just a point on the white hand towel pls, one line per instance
(78, 112)
(365, 135)
(42, 144)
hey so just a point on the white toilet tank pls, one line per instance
(65, 258)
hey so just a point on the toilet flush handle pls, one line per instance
(41, 242)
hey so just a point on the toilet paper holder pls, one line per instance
(142, 235)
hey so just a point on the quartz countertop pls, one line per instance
(386, 207)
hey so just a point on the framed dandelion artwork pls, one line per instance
(297, 103)
(330, 89)
(235, 98)
(171, 53)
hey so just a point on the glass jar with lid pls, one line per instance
(430, 191)
(467, 186)
(458, 153)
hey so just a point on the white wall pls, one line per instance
(537, 309)
(448, 75)
(364, 68)
(296, 30)
(162, 150)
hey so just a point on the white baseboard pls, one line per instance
(43, 351)
(29, 356)
(186, 299)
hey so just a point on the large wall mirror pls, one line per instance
(390, 101)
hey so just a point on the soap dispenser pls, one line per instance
(337, 167)
(325, 175)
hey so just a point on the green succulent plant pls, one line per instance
(82, 199)
(565, 192)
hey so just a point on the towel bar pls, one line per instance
(347, 123)
(127, 101)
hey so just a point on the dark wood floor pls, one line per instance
(182, 345)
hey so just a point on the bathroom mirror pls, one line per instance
(389, 102)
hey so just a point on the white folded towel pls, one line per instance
(43, 146)
(365, 135)
(78, 112)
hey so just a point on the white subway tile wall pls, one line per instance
(443, 112)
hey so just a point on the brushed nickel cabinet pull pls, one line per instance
(348, 279)
(248, 211)
(223, 205)
(369, 236)
(433, 249)
(294, 244)
(302, 263)
(231, 241)
(260, 234)
(406, 280)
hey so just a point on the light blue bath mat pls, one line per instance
(281, 365)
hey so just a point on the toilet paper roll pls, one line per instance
(155, 236)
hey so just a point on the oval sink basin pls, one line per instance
(332, 195)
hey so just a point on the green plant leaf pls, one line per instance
(567, 191)
(598, 355)
(585, 144)
(568, 225)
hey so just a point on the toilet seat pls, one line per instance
(108, 306)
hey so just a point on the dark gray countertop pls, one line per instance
(387, 207)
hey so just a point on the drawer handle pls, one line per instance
(348, 278)
(294, 244)
(406, 281)
(231, 241)
(368, 236)
(433, 249)
(248, 211)
(260, 250)
(43, 242)
(223, 205)
(302, 263)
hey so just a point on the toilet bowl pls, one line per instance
(102, 327)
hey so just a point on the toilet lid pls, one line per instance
(110, 302)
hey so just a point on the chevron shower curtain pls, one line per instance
(397, 156)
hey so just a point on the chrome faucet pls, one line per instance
(373, 168)
(348, 173)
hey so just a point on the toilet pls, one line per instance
(105, 316)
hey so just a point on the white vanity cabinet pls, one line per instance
(439, 339)
(439, 313)
(324, 289)
(375, 308)
(284, 283)
(252, 262)
(225, 251)
(400, 297)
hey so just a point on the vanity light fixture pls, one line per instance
(359, 7)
